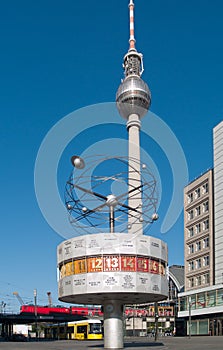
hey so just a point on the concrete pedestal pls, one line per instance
(113, 324)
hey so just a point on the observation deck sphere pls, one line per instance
(133, 97)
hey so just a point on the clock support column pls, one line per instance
(113, 324)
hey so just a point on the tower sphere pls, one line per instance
(133, 97)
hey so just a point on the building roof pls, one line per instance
(176, 273)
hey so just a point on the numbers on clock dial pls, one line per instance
(111, 263)
(105, 263)
(80, 266)
(95, 264)
(128, 263)
(142, 264)
(154, 266)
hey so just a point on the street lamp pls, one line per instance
(156, 320)
(190, 303)
(35, 310)
(3, 305)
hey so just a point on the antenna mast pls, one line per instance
(132, 30)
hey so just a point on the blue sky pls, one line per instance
(57, 57)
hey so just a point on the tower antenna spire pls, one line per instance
(132, 30)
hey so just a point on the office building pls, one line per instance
(198, 232)
(201, 304)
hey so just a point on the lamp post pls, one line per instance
(35, 310)
(156, 320)
(189, 300)
(133, 320)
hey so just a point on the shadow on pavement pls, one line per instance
(133, 345)
(141, 345)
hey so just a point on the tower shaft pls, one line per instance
(134, 200)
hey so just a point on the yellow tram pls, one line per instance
(80, 330)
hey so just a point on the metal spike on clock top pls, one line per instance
(133, 100)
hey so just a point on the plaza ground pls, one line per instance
(164, 343)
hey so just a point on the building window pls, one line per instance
(205, 188)
(198, 210)
(191, 282)
(198, 263)
(200, 300)
(206, 278)
(191, 265)
(190, 232)
(211, 298)
(206, 260)
(191, 249)
(198, 280)
(206, 242)
(190, 198)
(206, 224)
(190, 215)
(205, 206)
(198, 228)
(219, 297)
(198, 246)
(197, 193)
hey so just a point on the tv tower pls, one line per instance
(133, 100)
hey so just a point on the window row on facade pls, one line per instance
(200, 300)
(199, 263)
(200, 280)
(197, 211)
(197, 193)
(198, 228)
(198, 245)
